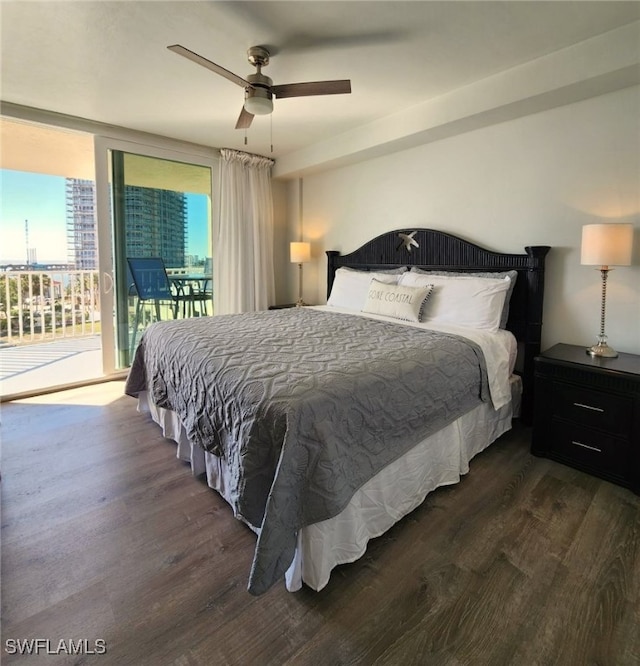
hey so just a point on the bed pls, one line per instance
(324, 426)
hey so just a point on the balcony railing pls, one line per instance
(47, 305)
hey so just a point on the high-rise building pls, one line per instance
(155, 221)
(82, 228)
(156, 224)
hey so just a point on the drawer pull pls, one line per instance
(593, 409)
(586, 446)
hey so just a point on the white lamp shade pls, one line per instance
(300, 253)
(258, 102)
(607, 244)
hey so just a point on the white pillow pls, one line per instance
(350, 287)
(461, 300)
(512, 275)
(395, 300)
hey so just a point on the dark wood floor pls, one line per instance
(105, 535)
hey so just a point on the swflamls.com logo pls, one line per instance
(47, 646)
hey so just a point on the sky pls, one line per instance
(40, 199)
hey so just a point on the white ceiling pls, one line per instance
(108, 61)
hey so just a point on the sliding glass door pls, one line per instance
(155, 243)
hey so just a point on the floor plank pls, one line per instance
(105, 535)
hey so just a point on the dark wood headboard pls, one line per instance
(440, 251)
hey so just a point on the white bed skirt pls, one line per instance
(395, 491)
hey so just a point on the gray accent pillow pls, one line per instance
(386, 271)
(512, 275)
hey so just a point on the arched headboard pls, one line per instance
(436, 250)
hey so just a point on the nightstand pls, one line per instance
(587, 413)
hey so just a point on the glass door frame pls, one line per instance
(103, 146)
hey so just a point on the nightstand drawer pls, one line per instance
(596, 409)
(590, 449)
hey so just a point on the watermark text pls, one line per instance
(61, 646)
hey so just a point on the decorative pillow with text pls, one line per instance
(397, 301)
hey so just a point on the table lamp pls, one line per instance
(300, 253)
(605, 245)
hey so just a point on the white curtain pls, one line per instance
(243, 252)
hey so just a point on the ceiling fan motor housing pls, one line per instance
(259, 80)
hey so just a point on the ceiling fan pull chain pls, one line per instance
(271, 132)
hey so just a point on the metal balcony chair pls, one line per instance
(208, 283)
(152, 285)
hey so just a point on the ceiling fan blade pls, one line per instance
(312, 88)
(198, 59)
(244, 119)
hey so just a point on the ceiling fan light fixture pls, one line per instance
(258, 102)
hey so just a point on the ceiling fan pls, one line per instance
(258, 88)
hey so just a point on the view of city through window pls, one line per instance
(49, 277)
(51, 221)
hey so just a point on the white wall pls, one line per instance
(531, 181)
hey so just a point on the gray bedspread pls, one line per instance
(305, 406)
